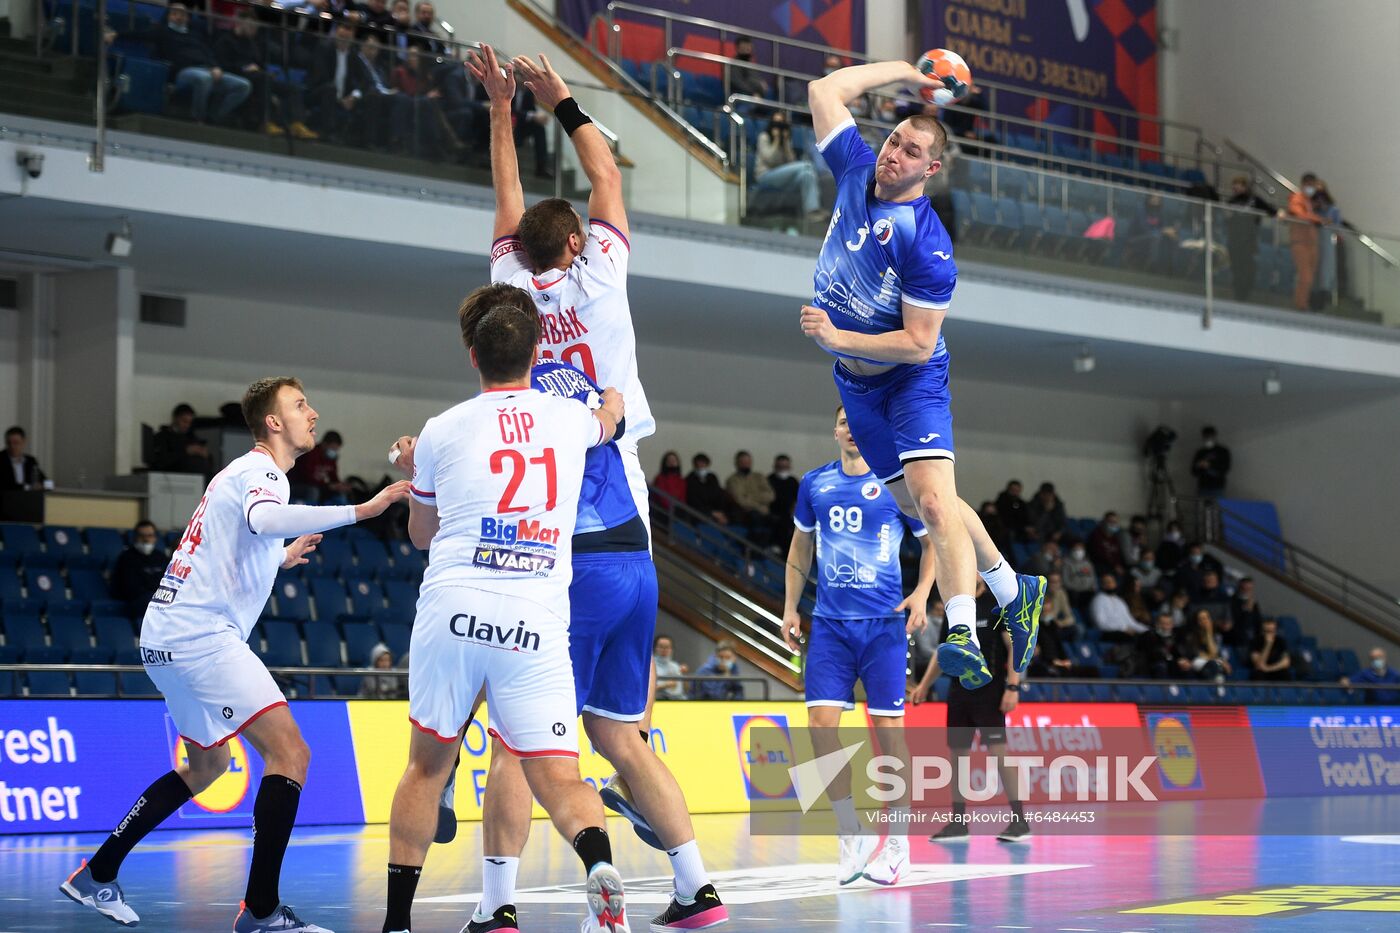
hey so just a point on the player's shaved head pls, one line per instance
(504, 342)
(261, 400)
(545, 230)
(483, 299)
(930, 125)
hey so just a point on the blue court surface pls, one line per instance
(335, 877)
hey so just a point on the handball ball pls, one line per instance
(949, 68)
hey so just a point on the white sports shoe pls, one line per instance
(107, 899)
(855, 852)
(892, 862)
(607, 911)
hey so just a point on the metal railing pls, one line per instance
(1266, 549)
(1198, 692)
(1084, 111)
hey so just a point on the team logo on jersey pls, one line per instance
(866, 574)
(883, 230)
(870, 490)
(942, 255)
(524, 531)
(558, 728)
(485, 633)
(504, 559)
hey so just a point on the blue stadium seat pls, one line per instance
(346, 685)
(1076, 693)
(334, 555)
(962, 213)
(88, 584)
(65, 607)
(1199, 694)
(715, 542)
(24, 632)
(114, 633)
(48, 684)
(106, 607)
(48, 654)
(283, 643)
(322, 644)
(1292, 696)
(328, 596)
(1014, 183)
(44, 584)
(91, 655)
(63, 540)
(366, 596)
(371, 557)
(1129, 693)
(1032, 231)
(1154, 694)
(1347, 662)
(396, 636)
(289, 592)
(402, 595)
(20, 540)
(1327, 666)
(979, 175)
(95, 683)
(1101, 693)
(69, 632)
(361, 635)
(136, 684)
(104, 544)
(408, 561)
(396, 613)
(685, 536)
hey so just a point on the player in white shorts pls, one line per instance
(495, 500)
(194, 644)
(576, 276)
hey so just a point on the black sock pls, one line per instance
(1016, 810)
(959, 807)
(274, 812)
(403, 881)
(168, 794)
(646, 736)
(593, 847)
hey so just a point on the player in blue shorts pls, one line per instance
(612, 604)
(883, 284)
(853, 526)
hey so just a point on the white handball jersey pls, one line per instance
(585, 319)
(504, 470)
(220, 576)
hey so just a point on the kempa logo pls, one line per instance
(1102, 778)
(136, 808)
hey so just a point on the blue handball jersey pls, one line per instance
(605, 501)
(878, 253)
(859, 529)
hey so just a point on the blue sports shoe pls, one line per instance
(107, 899)
(960, 657)
(1022, 619)
(617, 797)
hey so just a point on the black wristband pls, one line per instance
(570, 116)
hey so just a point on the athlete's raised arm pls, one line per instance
(829, 96)
(594, 154)
(913, 344)
(499, 83)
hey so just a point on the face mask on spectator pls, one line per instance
(1145, 564)
(1077, 553)
(332, 453)
(1309, 190)
(146, 547)
(702, 472)
(1195, 559)
(783, 474)
(1112, 528)
(1174, 537)
(1378, 664)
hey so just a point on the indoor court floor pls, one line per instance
(334, 876)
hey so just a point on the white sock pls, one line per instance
(901, 819)
(1001, 580)
(497, 884)
(846, 821)
(962, 610)
(689, 869)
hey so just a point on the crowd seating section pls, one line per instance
(56, 608)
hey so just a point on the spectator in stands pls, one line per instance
(425, 24)
(1211, 589)
(1200, 645)
(1132, 540)
(401, 35)
(784, 486)
(745, 80)
(1056, 612)
(177, 449)
(1110, 612)
(668, 484)
(961, 121)
(23, 470)
(138, 570)
(723, 663)
(752, 497)
(1155, 652)
(1242, 233)
(1146, 571)
(376, 14)
(195, 67)
(1052, 659)
(532, 125)
(1268, 654)
(383, 686)
(1079, 576)
(1136, 600)
(1171, 550)
(1377, 672)
(1179, 606)
(703, 492)
(353, 100)
(421, 128)
(316, 476)
(663, 656)
(779, 169)
(1046, 513)
(1245, 613)
(1303, 239)
(1012, 508)
(991, 521)
(1047, 560)
(275, 103)
(1190, 575)
(1105, 549)
(861, 107)
(1148, 239)
(1211, 465)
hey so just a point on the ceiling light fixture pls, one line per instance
(1084, 362)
